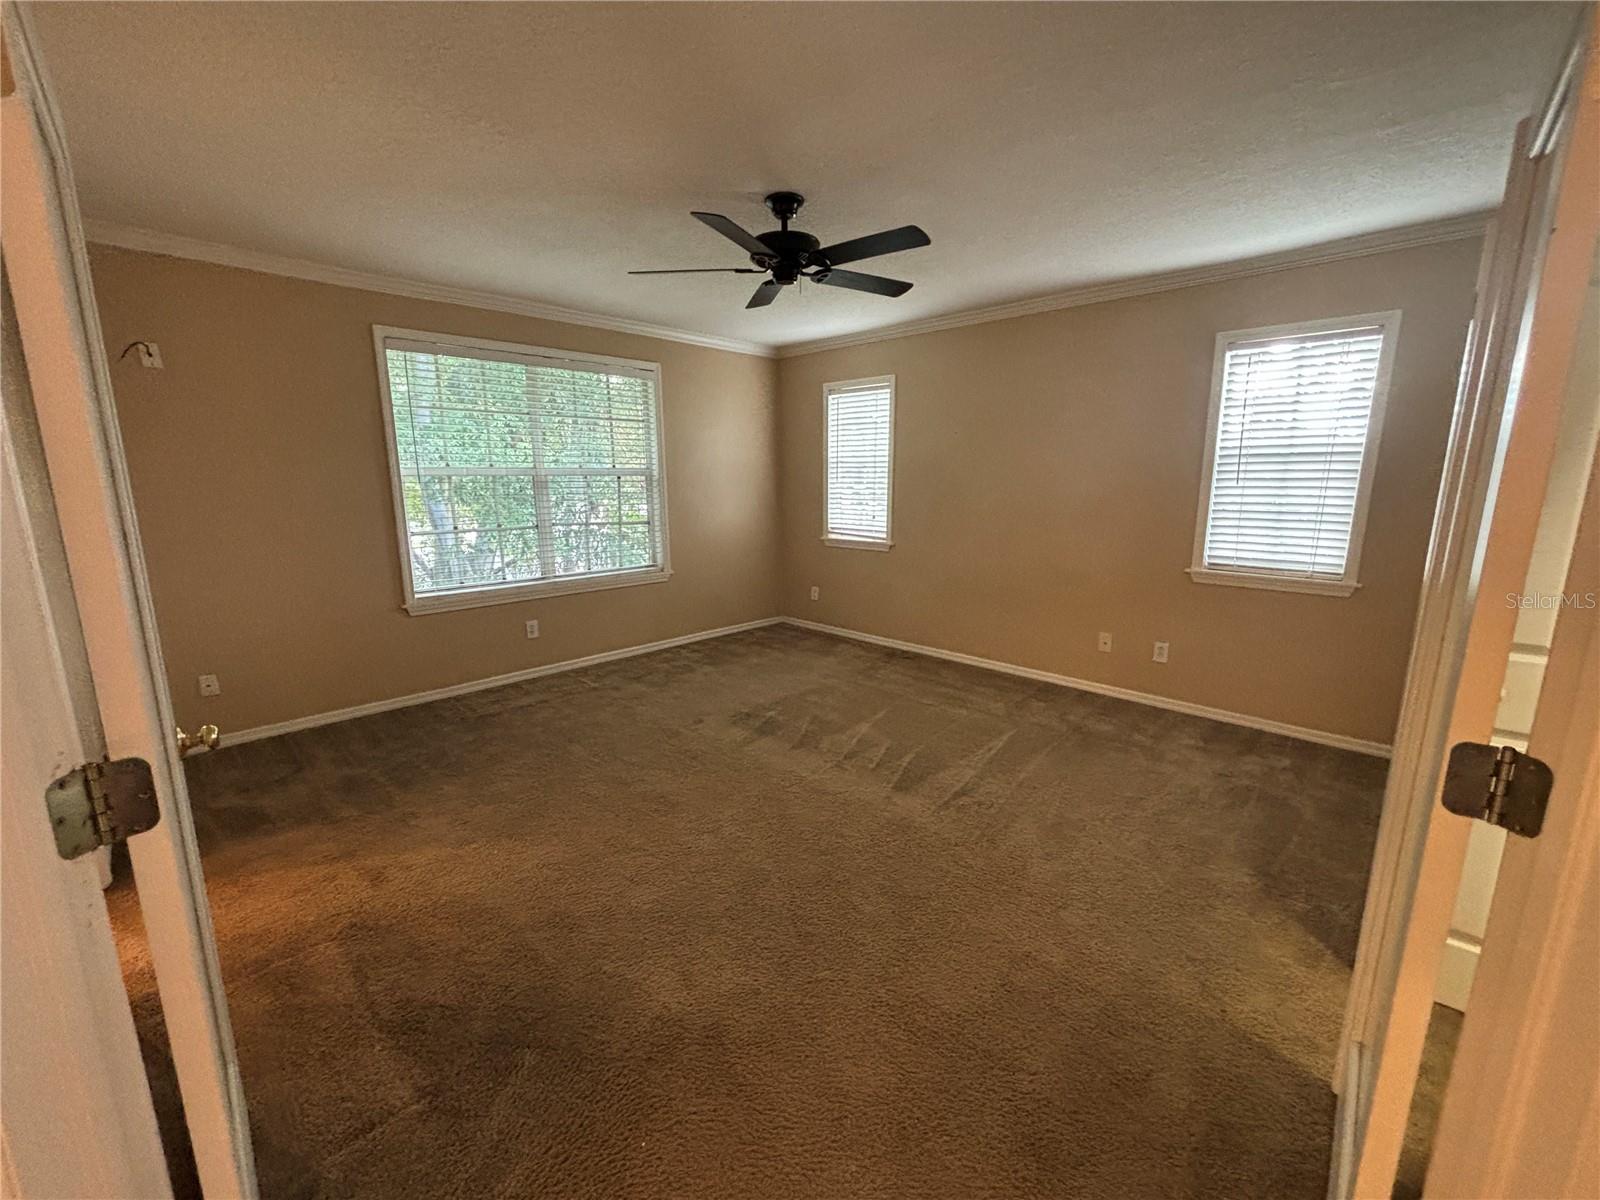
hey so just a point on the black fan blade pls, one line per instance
(765, 294)
(733, 231)
(907, 237)
(856, 281)
(703, 271)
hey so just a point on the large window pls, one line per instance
(1296, 412)
(860, 462)
(520, 471)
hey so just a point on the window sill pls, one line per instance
(843, 543)
(510, 593)
(1274, 583)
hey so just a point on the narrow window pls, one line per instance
(1296, 412)
(519, 471)
(860, 462)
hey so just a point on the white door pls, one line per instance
(69, 1059)
(1521, 1115)
(47, 265)
(1531, 292)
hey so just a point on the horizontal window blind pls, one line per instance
(860, 437)
(1292, 422)
(518, 468)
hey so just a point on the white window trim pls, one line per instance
(1389, 322)
(849, 543)
(509, 593)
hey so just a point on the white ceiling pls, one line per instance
(541, 150)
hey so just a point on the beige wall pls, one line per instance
(1047, 471)
(260, 476)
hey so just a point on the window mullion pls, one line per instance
(541, 481)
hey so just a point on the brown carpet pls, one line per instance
(780, 915)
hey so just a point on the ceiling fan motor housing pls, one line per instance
(791, 250)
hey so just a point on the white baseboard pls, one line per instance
(1456, 968)
(1321, 737)
(478, 685)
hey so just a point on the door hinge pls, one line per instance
(1498, 784)
(100, 803)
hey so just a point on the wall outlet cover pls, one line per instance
(533, 629)
(1161, 652)
(1105, 643)
(210, 686)
(816, 593)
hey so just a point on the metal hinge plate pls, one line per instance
(100, 803)
(1498, 784)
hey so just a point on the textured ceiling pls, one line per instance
(541, 150)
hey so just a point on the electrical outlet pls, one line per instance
(1161, 653)
(1105, 643)
(209, 686)
(816, 593)
(150, 355)
(532, 628)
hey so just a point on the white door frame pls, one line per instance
(1490, 500)
(47, 260)
(69, 1056)
(1521, 1115)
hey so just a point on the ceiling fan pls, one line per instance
(787, 254)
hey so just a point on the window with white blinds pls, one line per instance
(860, 461)
(1295, 416)
(518, 470)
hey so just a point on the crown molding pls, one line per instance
(1448, 229)
(175, 246)
(1406, 236)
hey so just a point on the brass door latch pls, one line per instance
(205, 738)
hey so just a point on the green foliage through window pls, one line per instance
(515, 470)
